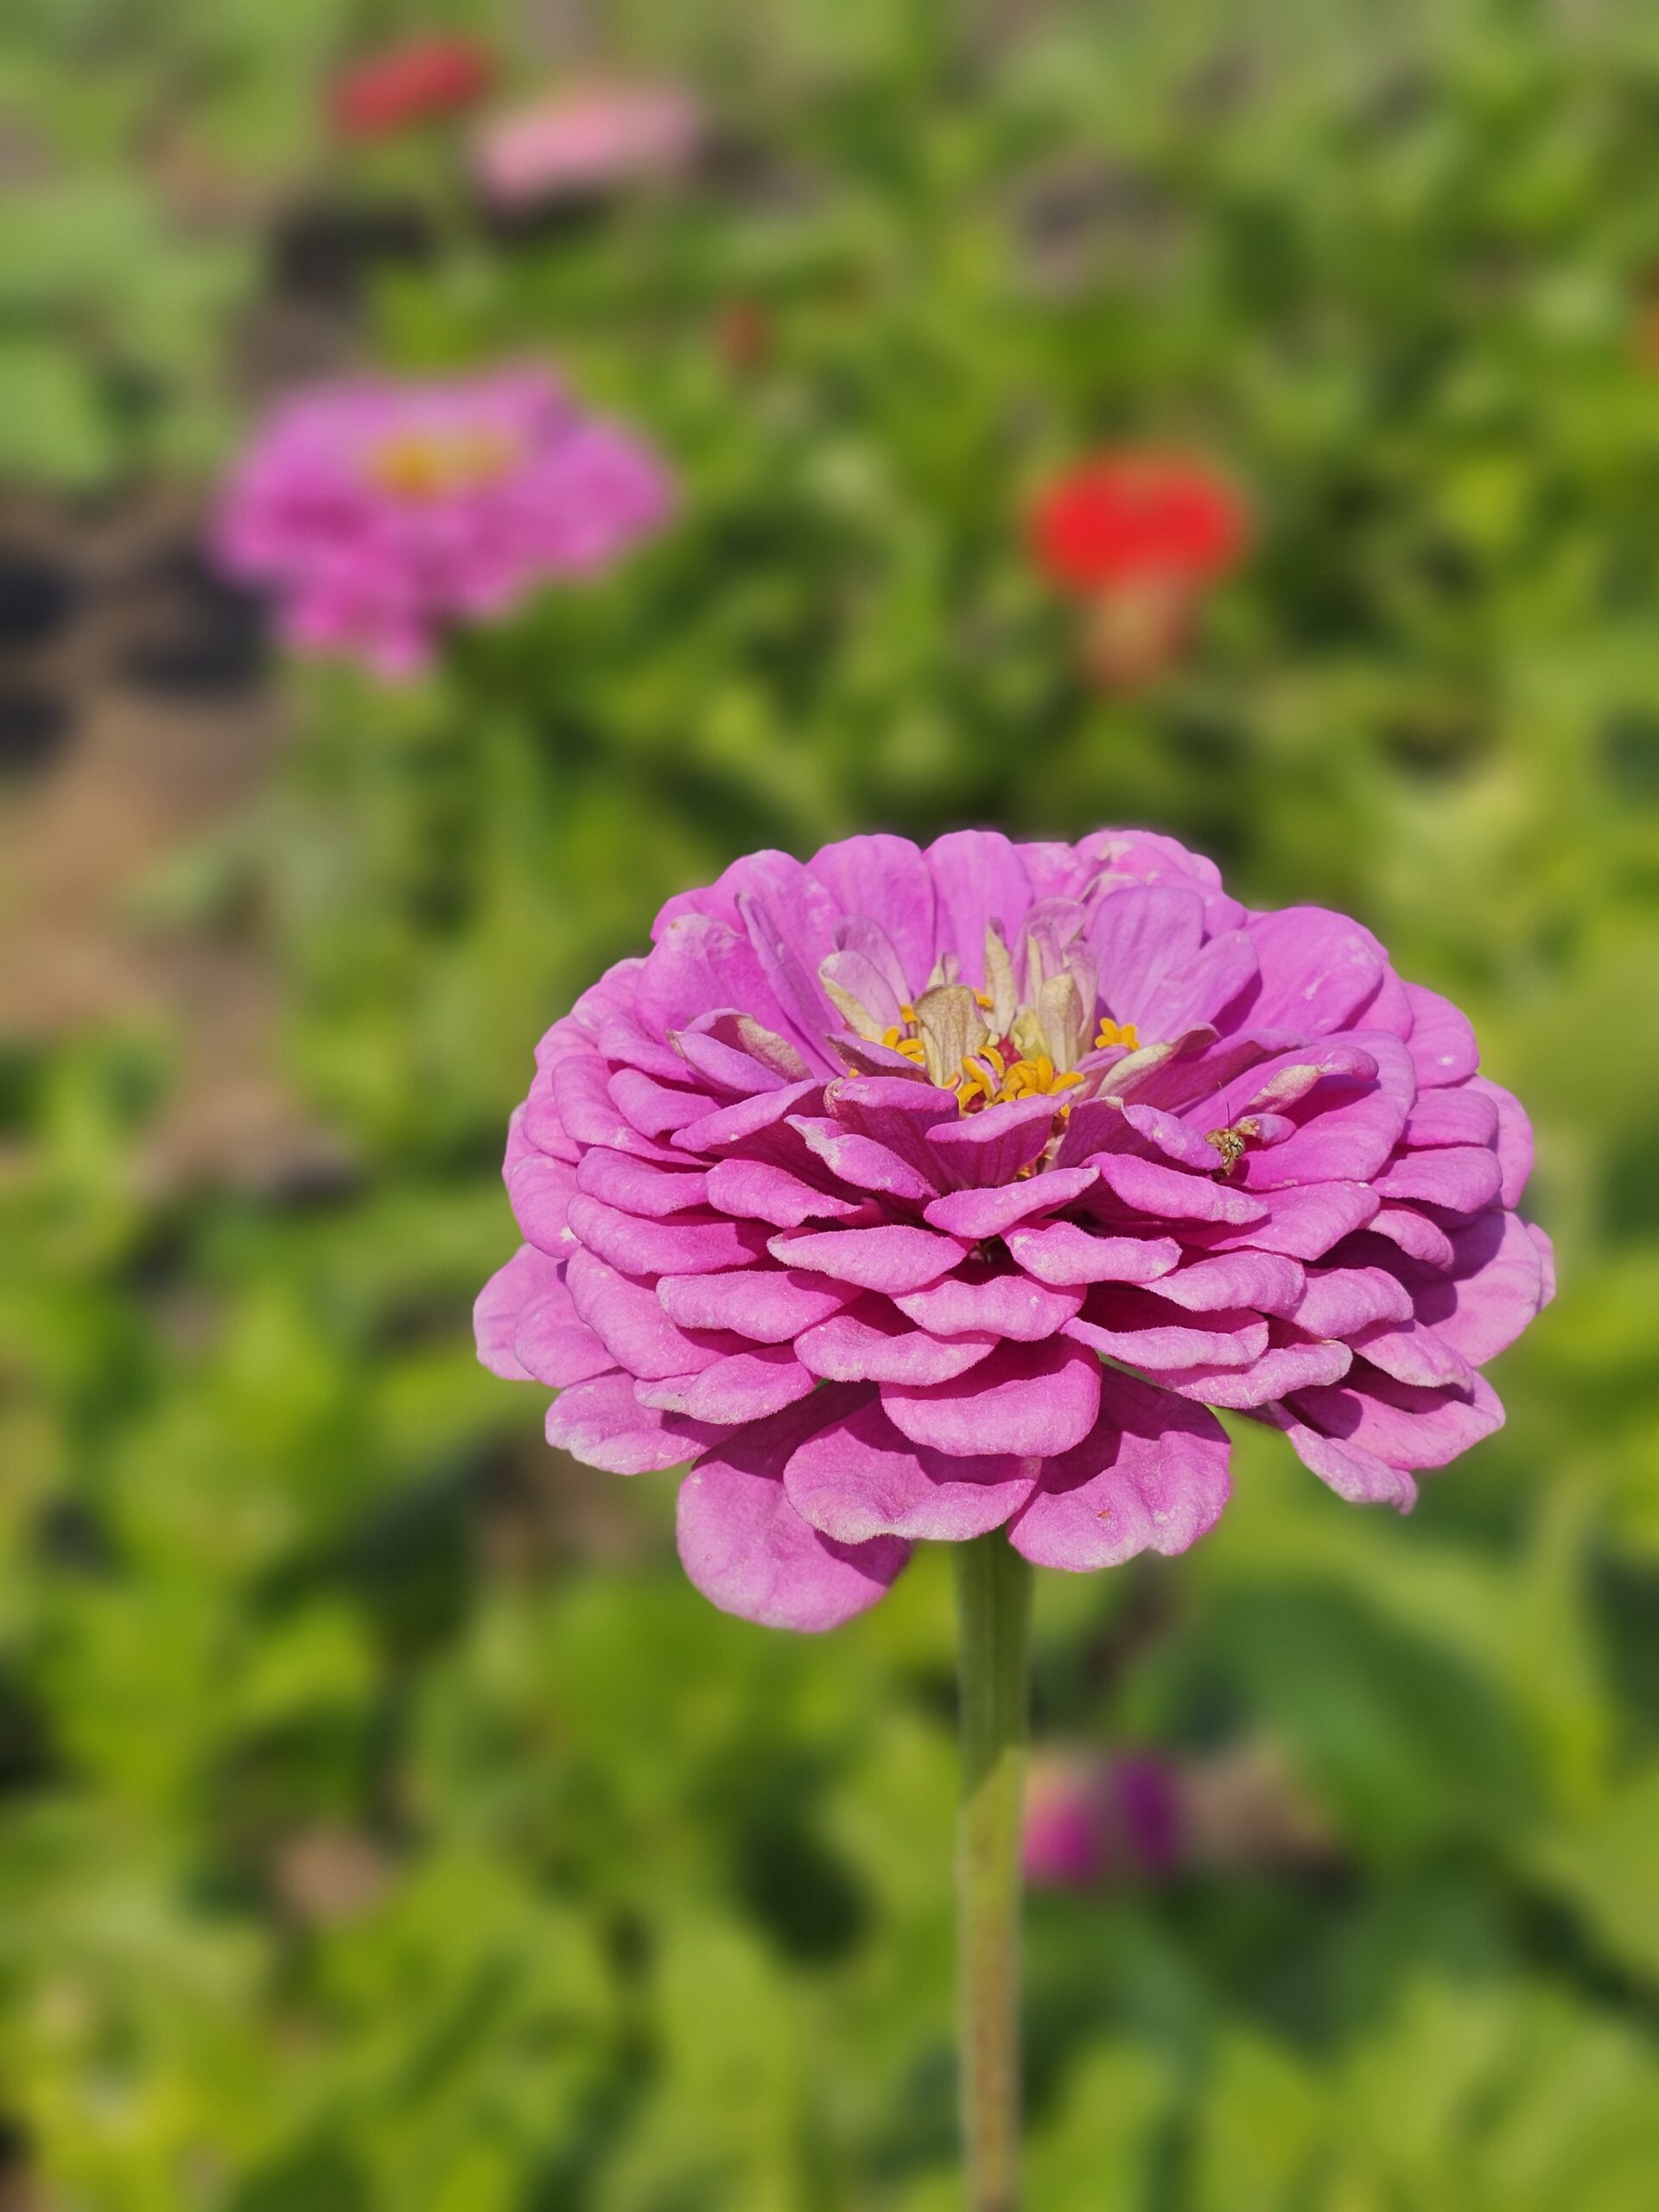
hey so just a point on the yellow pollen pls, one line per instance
(1027, 1078)
(1117, 1032)
(989, 1076)
(428, 464)
(983, 1001)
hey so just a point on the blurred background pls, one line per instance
(384, 1826)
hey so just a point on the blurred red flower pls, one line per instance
(1137, 533)
(407, 84)
(1130, 516)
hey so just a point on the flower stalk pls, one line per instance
(993, 1614)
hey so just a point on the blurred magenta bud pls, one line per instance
(1095, 1821)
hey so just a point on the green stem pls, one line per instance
(994, 1613)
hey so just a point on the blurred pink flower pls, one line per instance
(378, 513)
(920, 1194)
(585, 140)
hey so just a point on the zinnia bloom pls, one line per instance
(1138, 536)
(411, 83)
(573, 143)
(379, 511)
(920, 1194)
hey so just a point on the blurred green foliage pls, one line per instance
(385, 1827)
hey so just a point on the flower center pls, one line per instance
(1018, 1064)
(998, 1070)
(429, 464)
(1024, 1035)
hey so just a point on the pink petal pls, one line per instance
(978, 877)
(870, 1342)
(1499, 1282)
(993, 1145)
(1060, 1253)
(1339, 1300)
(1514, 1141)
(1355, 1474)
(602, 1424)
(750, 1552)
(540, 1191)
(1147, 1186)
(1141, 935)
(861, 1479)
(654, 1109)
(887, 878)
(1205, 991)
(863, 1163)
(526, 1277)
(638, 1186)
(1333, 1066)
(1412, 1353)
(1350, 1139)
(790, 943)
(1303, 1224)
(1461, 1178)
(1407, 1427)
(581, 1094)
(1318, 970)
(895, 1258)
(728, 1068)
(1415, 1233)
(768, 1305)
(1031, 1401)
(1152, 1477)
(697, 965)
(860, 977)
(749, 1118)
(1139, 1327)
(625, 1316)
(684, 1246)
(1465, 1116)
(1289, 1365)
(542, 1127)
(895, 1111)
(1266, 1280)
(557, 1347)
(1441, 1044)
(1002, 1303)
(977, 1214)
(744, 1386)
(759, 1189)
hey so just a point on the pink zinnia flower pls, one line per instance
(586, 139)
(919, 1195)
(411, 83)
(1138, 536)
(378, 511)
